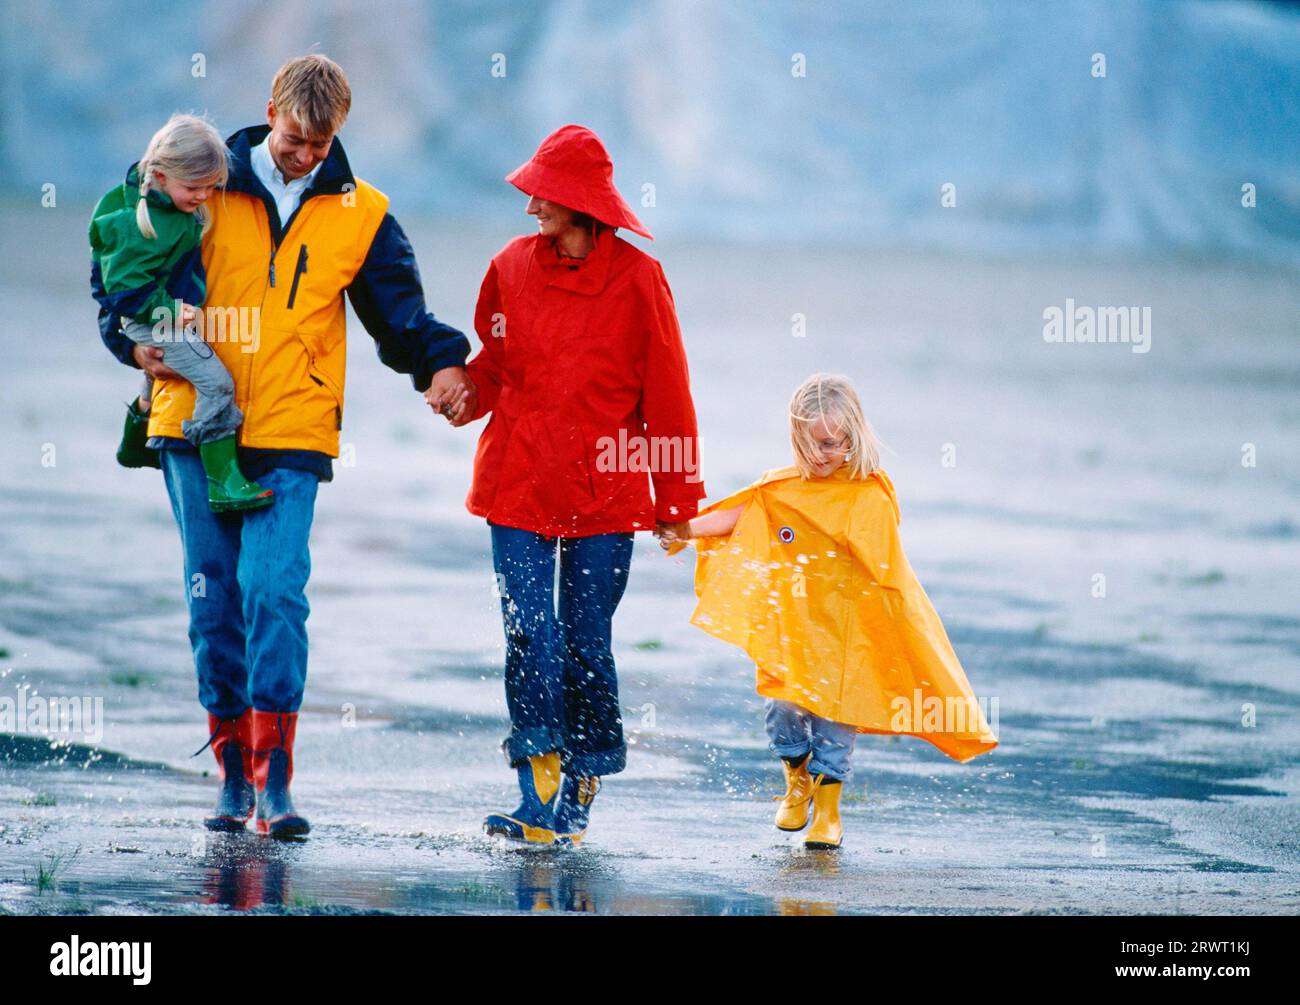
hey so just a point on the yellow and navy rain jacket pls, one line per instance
(275, 315)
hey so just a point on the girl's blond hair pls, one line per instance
(189, 149)
(830, 396)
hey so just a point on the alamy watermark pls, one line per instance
(1098, 324)
(654, 454)
(210, 324)
(949, 714)
(75, 715)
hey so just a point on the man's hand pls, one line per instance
(149, 358)
(452, 394)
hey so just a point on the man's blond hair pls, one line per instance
(313, 90)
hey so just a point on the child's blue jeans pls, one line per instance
(794, 731)
(561, 686)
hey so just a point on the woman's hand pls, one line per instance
(670, 534)
(452, 394)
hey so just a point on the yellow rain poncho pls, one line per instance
(813, 584)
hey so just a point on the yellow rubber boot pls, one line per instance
(792, 814)
(826, 830)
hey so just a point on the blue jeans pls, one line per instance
(561, 686)
(245, 576)
(794, 731)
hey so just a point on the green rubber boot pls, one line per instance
(228, 489)
(132, 451)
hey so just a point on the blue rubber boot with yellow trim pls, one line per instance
(576, 796)
(533, 822)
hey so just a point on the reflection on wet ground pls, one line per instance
(166, 865)
(1059, 828)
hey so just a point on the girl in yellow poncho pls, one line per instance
(804, 571)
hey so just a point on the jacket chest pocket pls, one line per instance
(592, 349)
(310, 273)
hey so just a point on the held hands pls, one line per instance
(452, 394)
(718, 523)
(670, 534)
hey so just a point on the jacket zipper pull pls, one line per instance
(273, 269)
(297, 274)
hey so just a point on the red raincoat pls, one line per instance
(583, 370)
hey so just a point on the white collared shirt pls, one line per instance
(287, 194)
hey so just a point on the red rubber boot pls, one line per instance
(232, 743)
(273, 734)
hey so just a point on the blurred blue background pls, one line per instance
(698, 100)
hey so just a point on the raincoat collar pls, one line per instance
(841, 474)
(580, 275)
(333, 174)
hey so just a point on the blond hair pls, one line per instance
(313, 91)
(831, 397)
(189, 149)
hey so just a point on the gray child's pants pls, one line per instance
(215, 414)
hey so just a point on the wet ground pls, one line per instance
(1149, 737)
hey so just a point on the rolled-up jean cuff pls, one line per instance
(816, 767)
(522, 744)
(598, 762)
(790, 749)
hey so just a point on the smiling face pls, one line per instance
(187, 196)
(830, 445)
(295, 152)
(553, 220)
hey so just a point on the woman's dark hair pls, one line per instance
(589, 222)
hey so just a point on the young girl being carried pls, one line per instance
(145, 240)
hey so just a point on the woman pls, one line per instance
(583, 370)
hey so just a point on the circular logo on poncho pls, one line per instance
(786, 534)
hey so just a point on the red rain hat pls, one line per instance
(572, 167)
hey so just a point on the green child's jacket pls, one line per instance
(133, 275)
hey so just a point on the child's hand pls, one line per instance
(670, 534)
(188, 314)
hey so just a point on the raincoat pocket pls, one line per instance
(320, 373)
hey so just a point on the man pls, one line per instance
(293, 230)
